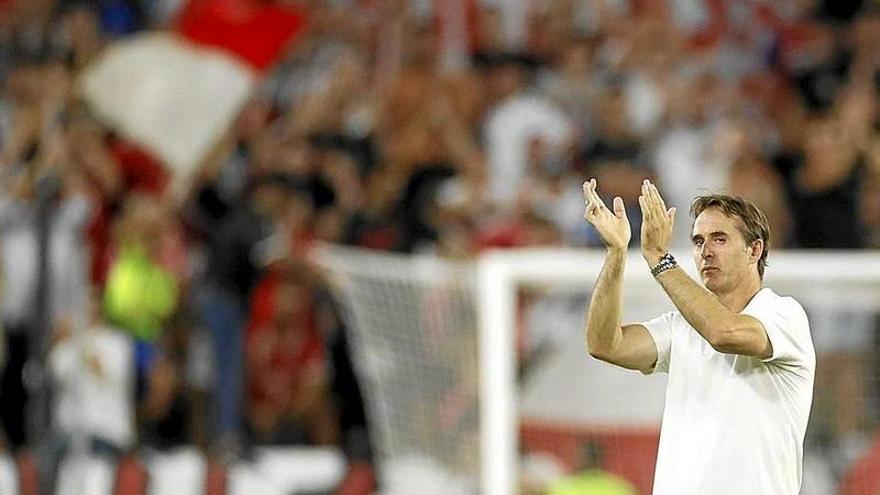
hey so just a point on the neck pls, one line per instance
(737, 299)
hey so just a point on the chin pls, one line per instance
(710, 284)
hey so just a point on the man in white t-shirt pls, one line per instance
(740, 357)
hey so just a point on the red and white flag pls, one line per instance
(175, 93)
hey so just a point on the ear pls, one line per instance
(756, 250)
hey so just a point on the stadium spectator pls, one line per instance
(518, 116)
(44, 208)
(242, 238)
(144, 286)
(92, 371)
(288, 395)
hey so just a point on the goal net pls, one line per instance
(472, 370)
(413, 339)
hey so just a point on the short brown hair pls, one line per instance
(753, 225)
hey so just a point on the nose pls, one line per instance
(705, 251)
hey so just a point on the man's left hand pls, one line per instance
(657, 223)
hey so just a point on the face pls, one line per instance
(721, 255)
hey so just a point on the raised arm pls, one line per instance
(726, 330)
(630, 346)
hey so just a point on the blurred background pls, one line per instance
(166, 167)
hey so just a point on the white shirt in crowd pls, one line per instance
(88, 403)
(68, 260)
(735, 424)
(510, 129)
(686, 169)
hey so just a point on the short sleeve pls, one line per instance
(788, 329)
(660, 329)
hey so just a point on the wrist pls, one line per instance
(616, 250)
(616, 253)
(653, 257)
(666, 262)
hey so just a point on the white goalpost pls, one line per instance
(841, 279)
(407, 312)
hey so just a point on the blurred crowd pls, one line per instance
(143, 309)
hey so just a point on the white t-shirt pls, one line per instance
(92, 404)
(735, 424)
(509, 129)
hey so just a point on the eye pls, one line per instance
(720, 240)
(698, 242)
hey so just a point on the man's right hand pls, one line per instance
(613, 227)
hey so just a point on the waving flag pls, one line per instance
(176, 93)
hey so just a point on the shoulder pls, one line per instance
(779, 314)
(786, 325)
(767, 300)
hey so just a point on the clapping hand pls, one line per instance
(613, 226)
(657, 223)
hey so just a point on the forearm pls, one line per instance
(702, 309)
(603, 333)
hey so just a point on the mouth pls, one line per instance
(708, 269)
